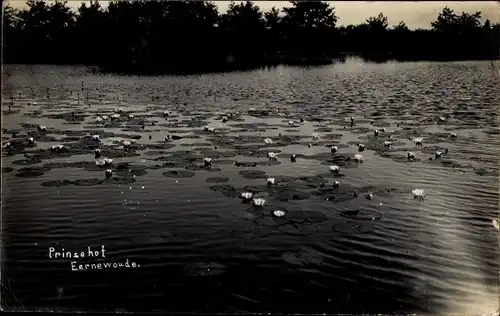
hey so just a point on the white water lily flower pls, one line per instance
(387, 143)
(131, 116)
(361, 147)
(442, 118)
(105, 117)
(334, 149)
(438, 154)
(336, 184)
(31, 140)
(109, 172)
(42, 128)
(335, 168)
(224, 119)
(259, 202)
(119, 110)
(272, 155)
(411, 155)
(369, 196)
(418, 141)
(418, 193)
(271, 181)
(496, 224)
(358, 157)
(279, 213)
(375, 132)
(453, 135)
(99, 119)
(95, 137)
(211, 129)
(115, 116)
(126, 144)
(247, 195)
(268, 141)
(315, 136)
(207, 161)
(291, 122)
(7, 145)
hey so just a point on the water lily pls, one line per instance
(109, 173)
(271, 181)
(335, 168)
(387, 143)
(224, 119)
(293, 158)
(207, 162)
(272, 156)
(453, 135)
(57, 148)
(411, 155)
(496, 224)
(42, 128)
(97, 153)
(7, 145)
(375, 132)
(369, 196)
(126, 144)
(438, 154)
(336, 184)
(418, 194)
(247, 195)
(418, 141)
(115, 116)
(31, 140)
(131, 116)
(334, 149)
(442, 118)
(315, 136)
(291, 122)
(358, 157)
(95, 137)
(259, 202)
(268, 141)
(361, 147)
(279, 213)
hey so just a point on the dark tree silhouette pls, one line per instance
(192, 36)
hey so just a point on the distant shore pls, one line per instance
(186, 37)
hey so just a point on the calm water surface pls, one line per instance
(198, 247)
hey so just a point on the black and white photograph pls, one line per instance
(277, 157)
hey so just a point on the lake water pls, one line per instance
(197, 247)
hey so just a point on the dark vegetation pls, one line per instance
(183, 36)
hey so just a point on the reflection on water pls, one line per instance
(363, 245)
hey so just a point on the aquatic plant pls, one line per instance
(279, 213)
(358, 157)
(259, 202)
(334, 169)
(418, 194)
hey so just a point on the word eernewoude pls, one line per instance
(90, 253)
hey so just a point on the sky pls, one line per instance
(414, 14)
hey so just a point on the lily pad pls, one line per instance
(87, 182)
(216, 180)
(253, 174)
(295, 229)
(179, 174)
(118, 180)
(56, 183)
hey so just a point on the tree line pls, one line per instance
(192, 36)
